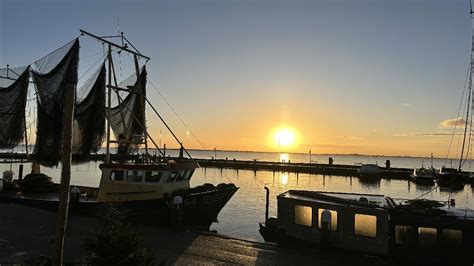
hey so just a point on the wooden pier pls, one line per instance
(255, 165)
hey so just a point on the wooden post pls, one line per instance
(109, 104)
(58, 246)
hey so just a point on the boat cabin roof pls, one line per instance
(441, 210)
(340, 198)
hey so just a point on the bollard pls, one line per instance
(331, 160)
(20, 172)
(387, 164)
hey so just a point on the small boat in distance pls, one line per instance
(369, 171)
(417, 232)
(424, 175)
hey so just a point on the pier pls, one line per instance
(255, 165)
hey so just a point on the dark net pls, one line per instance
(128, 117)
(89, 118)
(54, 74)
(12, 106)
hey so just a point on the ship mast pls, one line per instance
(466, 122)
(136, 55)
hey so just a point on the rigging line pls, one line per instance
(467, 119)
(182, 121)
(57, 49)
(92, 76)
(177, 115)
(459, 111)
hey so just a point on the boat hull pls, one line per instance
(198, 210)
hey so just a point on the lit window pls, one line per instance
(333, 219)
(303, 215)
(427, 236)
(404, 234)
(365, 225)
(451, 238)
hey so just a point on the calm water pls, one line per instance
(241, 215)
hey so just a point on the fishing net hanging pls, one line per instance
(53, 75)
(89, 118)
(13, 97)
(128, 117)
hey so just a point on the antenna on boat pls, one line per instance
(470, 6)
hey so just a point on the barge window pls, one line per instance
(153, 176)
(303, 215)
(451, 238)
(116, 175)
(427, 236)
(172, 176)
(404, 234)
(365, 225)
(134, 176)
(333, 219)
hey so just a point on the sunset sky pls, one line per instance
(354, 76)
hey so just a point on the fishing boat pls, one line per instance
(151, 188)
(414, 231)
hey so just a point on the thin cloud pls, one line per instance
(436, 134)
(406, 104)
(452, 122)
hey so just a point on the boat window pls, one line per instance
(153, 176)
(134, 176)
(180, 175)
(303, 215)
(189, 173)
(451, 238)
(404, 234)
(172, 176)
(427, 236)
(116, 175)
(333, 219)
(365, 225)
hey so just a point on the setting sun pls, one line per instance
(284, 137)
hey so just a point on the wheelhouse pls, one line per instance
(128, 182)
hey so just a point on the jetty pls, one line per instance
(386, 170)
(25, 238)
(255, 165)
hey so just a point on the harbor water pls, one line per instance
(241, 215)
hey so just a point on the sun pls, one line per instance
(284, 137)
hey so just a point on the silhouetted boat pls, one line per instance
(152, 189)
(413, 231)
(369, 171)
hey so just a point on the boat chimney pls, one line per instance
(267, 203)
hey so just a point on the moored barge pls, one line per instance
(417, 231)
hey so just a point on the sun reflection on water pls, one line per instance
(284, 158)
(284, 179)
